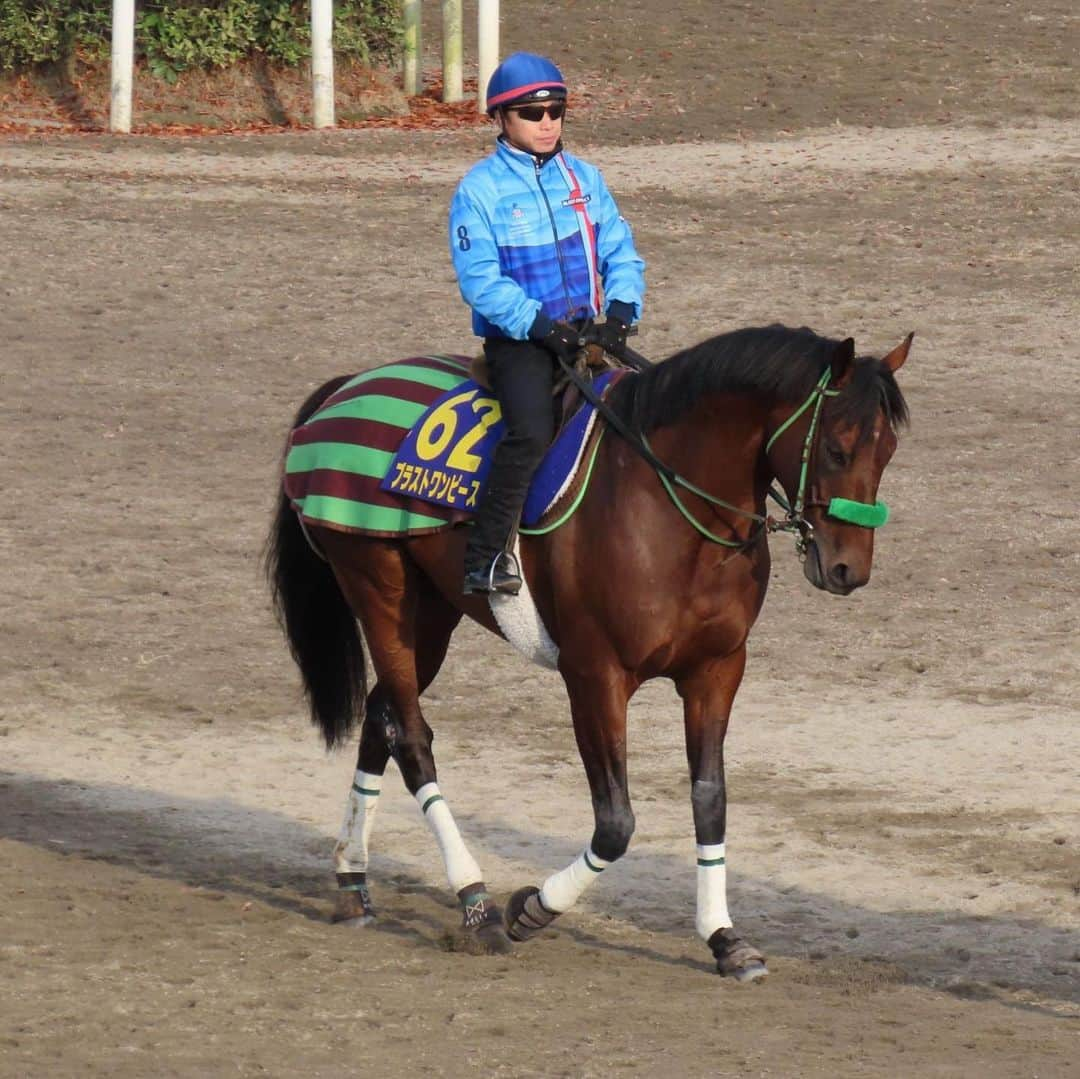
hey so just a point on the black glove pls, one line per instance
(611, 335)
(558, 338)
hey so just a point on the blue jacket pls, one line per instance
(527, 237)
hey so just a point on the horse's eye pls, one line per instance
(836, 456)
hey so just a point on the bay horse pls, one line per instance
(660, 572)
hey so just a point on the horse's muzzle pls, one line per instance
(838, 577)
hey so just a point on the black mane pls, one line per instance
(775, 360)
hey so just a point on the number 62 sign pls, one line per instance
(446, 455)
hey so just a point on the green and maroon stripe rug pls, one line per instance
(337, 459)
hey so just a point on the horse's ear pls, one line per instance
(895, 359)
(842, 358)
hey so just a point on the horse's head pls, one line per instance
(854, 441)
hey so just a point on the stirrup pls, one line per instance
(512, 567)
(495, 578)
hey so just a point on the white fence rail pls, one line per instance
(322, 56)
(487, 38)
(123, 63)
(487, 48)
(322, 63)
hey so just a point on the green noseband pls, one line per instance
(859, 513)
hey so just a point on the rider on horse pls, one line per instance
(540, 249)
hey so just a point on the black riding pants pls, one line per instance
(522, 378)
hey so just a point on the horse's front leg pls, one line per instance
(707, 696)
(598, 705)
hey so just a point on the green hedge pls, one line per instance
(177, 35)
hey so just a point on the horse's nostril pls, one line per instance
(840, 573)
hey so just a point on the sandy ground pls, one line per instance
(903, 827)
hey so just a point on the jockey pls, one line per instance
(539, 248)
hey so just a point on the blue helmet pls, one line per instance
(524, 77)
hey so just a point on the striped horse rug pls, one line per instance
(405, 449)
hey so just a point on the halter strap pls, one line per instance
(815, 396)
(817, 399)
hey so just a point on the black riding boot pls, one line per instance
(522, 377)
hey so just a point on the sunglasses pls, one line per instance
(535, 113)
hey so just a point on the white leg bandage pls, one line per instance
(563, 889)
(712, 912)
(351, 852)
(461, 867)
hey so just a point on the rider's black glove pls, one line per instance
(611, 335)
(558, 338)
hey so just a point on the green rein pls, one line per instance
(843, 509)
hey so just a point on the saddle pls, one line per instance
(591, 361)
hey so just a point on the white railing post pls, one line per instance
(453, 85)
(413, 42)
(123, 63)
(322, 63)
(487, 48)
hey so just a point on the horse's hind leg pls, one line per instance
(436, 621)
(401, 616)
(354, 905)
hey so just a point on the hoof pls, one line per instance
(352, 909)
(353, 906)
(492, 940)
(354, 923)
(483, 921)
(526, 915)
(752, 970)
(735, 958)
(484, 940)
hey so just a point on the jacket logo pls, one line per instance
(577, 200)
(518, 225)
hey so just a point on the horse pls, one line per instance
(660, 572)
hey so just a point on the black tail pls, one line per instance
(318, 622)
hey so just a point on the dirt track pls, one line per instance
(903, 832)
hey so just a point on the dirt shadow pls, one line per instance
(967, 955)
(207, 844)
(263, 856)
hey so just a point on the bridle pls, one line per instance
(794, 521)
(794, 514)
